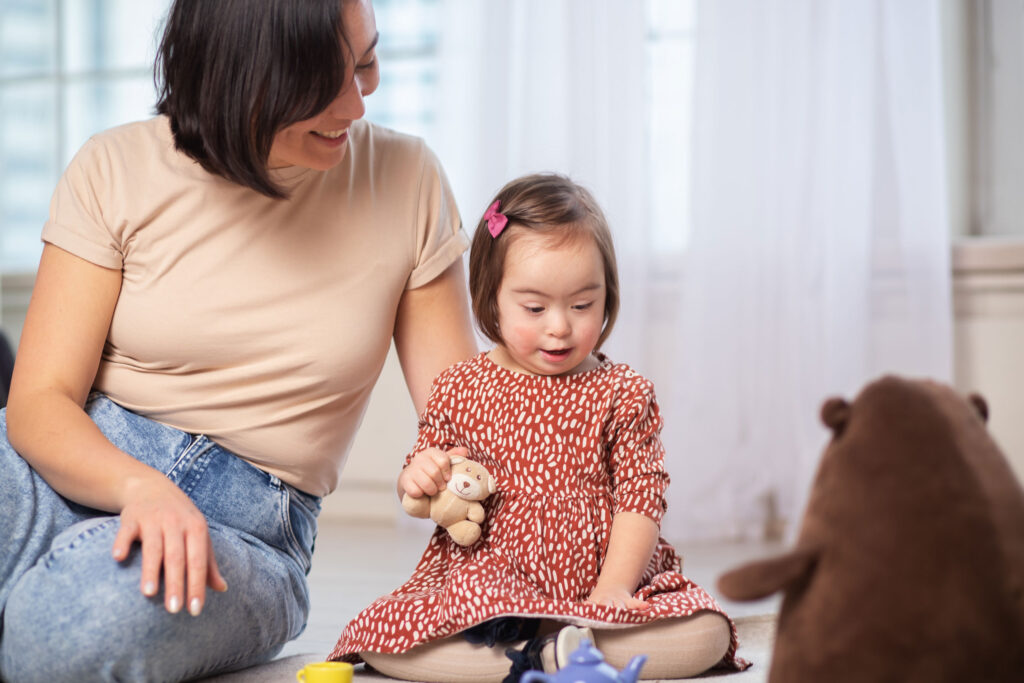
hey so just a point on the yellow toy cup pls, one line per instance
(325, 672)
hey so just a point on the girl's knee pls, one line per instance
(675, 648)
(451, 660)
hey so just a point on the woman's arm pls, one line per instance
(61, 344)
(433, 330)
(630, 547)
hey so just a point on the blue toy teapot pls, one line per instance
(587, 665)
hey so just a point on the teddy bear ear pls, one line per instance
(835, 413)
(981, 405)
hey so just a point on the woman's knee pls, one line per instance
(79, 615)
(675, 648)
(58, 626)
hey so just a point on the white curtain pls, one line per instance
(818, 253)
(545, 85)
(819, 256)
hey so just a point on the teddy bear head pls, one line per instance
(470, 480)
(912, 530)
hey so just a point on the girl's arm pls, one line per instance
(637, 466)
(433, 330)
(61, 344)
(632, 542)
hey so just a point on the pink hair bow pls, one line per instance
(496, 221)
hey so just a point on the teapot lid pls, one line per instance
(586, 654)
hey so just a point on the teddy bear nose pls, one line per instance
(463, 484)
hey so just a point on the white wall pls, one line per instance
(988, 301)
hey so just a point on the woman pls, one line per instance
(216, 296)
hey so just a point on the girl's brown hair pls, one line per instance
(546, 204)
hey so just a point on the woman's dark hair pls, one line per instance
(232, 73)
(555, 207)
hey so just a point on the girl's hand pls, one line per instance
(428, 472)
(174, 535)
(616, 597)
(630, 548)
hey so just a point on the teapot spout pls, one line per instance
(632, 671)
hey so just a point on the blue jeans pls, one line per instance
(72, 613)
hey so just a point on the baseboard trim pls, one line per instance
(361, 500)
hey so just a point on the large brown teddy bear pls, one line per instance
(910, 562)
(457, 507)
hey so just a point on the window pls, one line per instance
(996, 108)
(408, 52)
(67, 69)
(70, 68)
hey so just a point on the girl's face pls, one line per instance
(320, 142)
(550, 305)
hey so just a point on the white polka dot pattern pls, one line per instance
(568, 453)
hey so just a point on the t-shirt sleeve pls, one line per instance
(440, 237)
(78, 222)
(636, 454)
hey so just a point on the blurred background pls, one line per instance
(805, 194)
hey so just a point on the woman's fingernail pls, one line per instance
(195, 607)
(149, 589)
(174, 605)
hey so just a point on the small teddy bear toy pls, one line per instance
(909, 566)
(457, 507)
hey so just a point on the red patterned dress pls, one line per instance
(568, 453)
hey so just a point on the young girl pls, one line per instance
(571, 544)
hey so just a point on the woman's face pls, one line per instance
(320, 142)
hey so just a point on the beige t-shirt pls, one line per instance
(261, 323)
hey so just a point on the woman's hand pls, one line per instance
(174, 535)
(428, 472)
(616, 596)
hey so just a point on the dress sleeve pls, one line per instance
(435, 424)
(635, 452)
